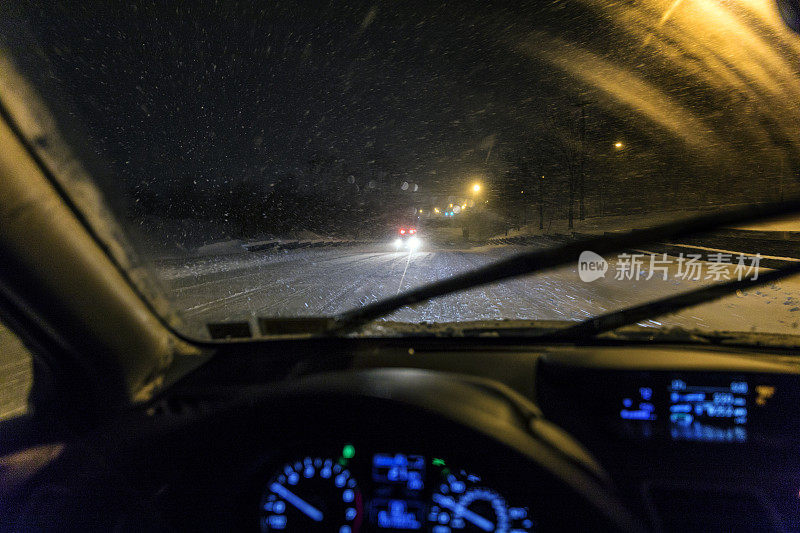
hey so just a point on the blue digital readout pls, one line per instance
(639, 407)
(713, 412)
(400, 469)
(708, 413)
(398, 503)
(398, 514)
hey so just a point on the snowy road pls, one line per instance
(328, 281)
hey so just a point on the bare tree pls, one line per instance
(564, 140)
(527, 166)
(540, 197)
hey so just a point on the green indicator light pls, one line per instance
(438, 462)
(349, 451)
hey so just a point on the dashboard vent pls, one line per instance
(711, 509)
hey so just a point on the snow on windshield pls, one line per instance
(288, 159)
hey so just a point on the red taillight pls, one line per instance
(412, 231)
(402, 232)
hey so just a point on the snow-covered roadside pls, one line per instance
(600, 224)
(239, 246)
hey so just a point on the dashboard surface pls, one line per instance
(694, 438)
(688, 438)
(697, 439)
(386, 450)
(613, 438)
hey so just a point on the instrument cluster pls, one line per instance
(384, 491)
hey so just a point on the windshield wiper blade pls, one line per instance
(631, 315)
(539, 260)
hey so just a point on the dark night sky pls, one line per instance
(204, 95)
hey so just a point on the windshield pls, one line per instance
(276, 160)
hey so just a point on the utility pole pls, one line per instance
(581, 157)
(541, 203)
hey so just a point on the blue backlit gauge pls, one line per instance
(313, 494)
(461, 503)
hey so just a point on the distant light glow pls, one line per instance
(618, 145)
(476, 187)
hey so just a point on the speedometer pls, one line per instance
(312, 494)
(461, 502)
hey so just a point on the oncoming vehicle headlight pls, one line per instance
(398, 243)
(414, 243)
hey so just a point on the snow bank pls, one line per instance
(221, 248)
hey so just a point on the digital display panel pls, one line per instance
(398, 515)
(639, 406)
(708, 413)
(715, 408)
(399, 469)
(638, 413)
(398, 503)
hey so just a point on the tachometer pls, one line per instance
(461, 503)
(313, 494)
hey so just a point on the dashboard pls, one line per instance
(697, 439)
(663, 399)
(380, 450)
(393, 491)
(511, 439)
(693, 438)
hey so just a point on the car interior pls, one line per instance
(559, 437)
(133, 426)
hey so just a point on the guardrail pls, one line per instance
(777, 248)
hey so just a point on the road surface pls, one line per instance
(323, 281)
(326, 281)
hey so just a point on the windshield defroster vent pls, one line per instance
(230, 330)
